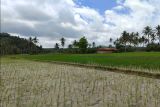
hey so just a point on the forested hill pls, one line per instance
(10, 44)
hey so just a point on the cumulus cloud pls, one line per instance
(141, 13)
(53, 19)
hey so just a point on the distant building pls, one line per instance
(106, 50)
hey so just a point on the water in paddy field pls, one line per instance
(36, 84)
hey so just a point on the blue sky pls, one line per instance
(100, 5)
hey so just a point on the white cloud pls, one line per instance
(52, 19)
(118, 8)
(141, 13)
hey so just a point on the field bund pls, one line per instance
(138, 72)
(135, 63)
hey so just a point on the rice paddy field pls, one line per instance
(146, 61)
(25, 83)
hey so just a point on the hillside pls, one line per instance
(15, 45)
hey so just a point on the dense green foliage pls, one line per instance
(16, 45)
(83, 43)
(58, 50)
(77, 47)
(130, 41)
(62, 41)
(145, 60)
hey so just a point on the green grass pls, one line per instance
(144, 60)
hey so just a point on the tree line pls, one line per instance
(80, 46)
(150, 39)
(16, 45)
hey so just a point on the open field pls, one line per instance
(39, 84)
(136, 60)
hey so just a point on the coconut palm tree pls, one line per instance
(89, 45)
(75, 43)
(30, 44)
(136, 39)
(142, 40)
(30, 39)
(158, 32)
(110, 40)
(35, 40)
(147, 32)
(131, 38)
(124, 38)
(117, 41)
(93, 44)
(70, 46)
(56, 46)
(153, 37)
(62, 42)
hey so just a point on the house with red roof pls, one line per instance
(106, 50)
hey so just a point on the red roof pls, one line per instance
(107, 49)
